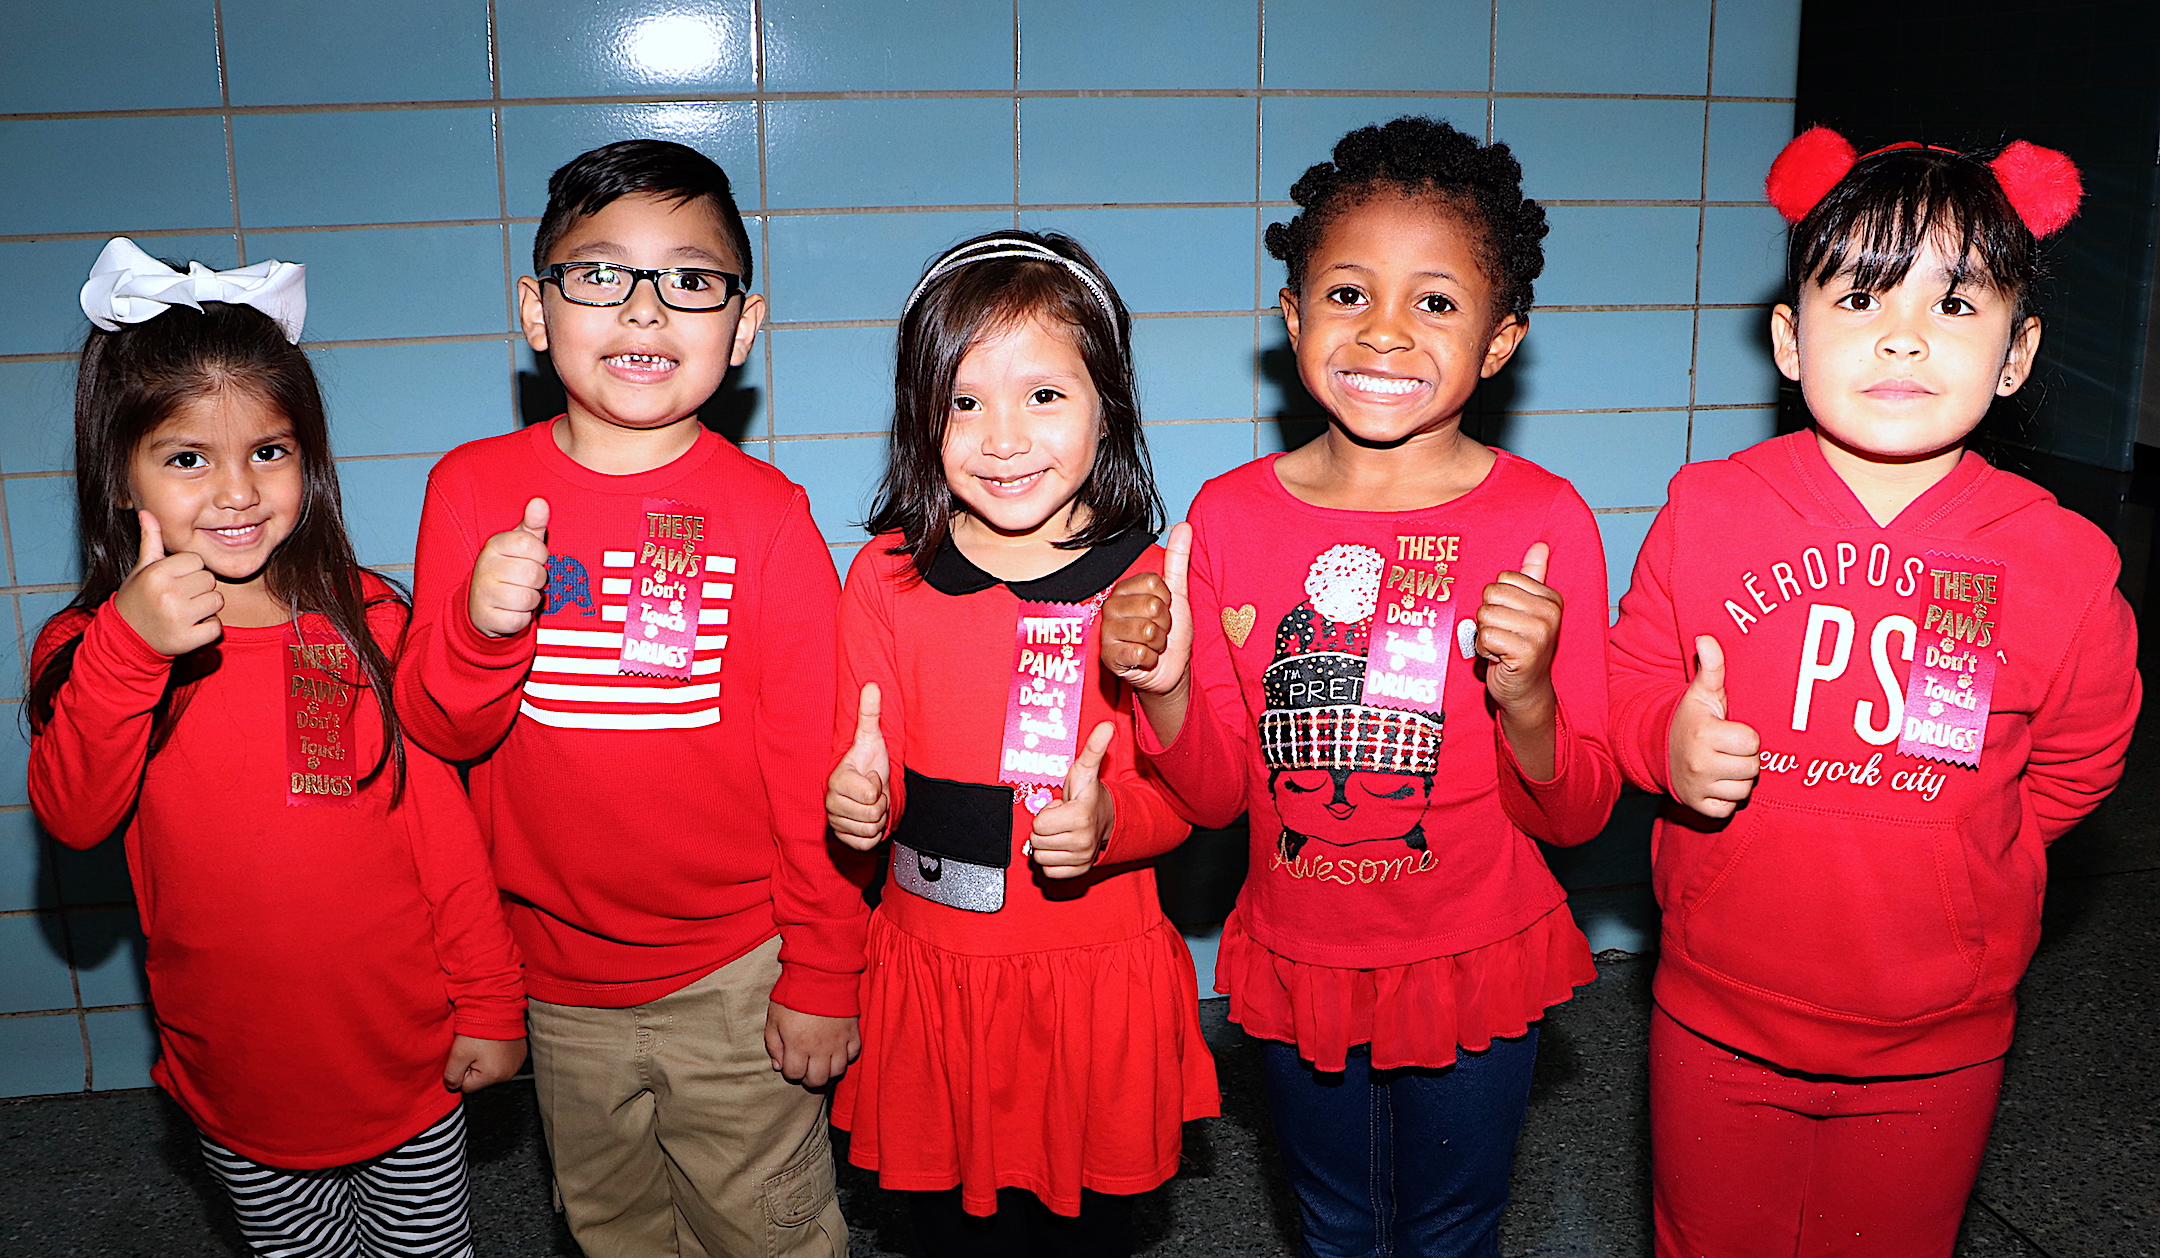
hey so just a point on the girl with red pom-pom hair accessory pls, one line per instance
(1877, 677)
(1386, 647)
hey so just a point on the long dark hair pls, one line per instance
(981, 299)
(133, 380)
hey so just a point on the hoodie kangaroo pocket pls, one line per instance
(1872, 917)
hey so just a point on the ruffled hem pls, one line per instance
(1049, 1071)
(1411, 1015)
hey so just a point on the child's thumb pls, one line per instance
(869, 736)
(1087, 766)
(1535, 561)
(153, 541)
(536, 518)
(1178, 550)
(1710, 675)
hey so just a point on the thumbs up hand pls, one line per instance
(855, 796)
(1518, 625)
(172, 601)
(1712, 762)
(510, 577)
(1147, 635)
(1147, 623)
(1069, 834)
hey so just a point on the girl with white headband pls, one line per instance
(327, 959)
(1031, 1041)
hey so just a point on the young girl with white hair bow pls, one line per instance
(327, 957)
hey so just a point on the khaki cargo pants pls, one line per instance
(672, 1134)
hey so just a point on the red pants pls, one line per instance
(1749, 1162)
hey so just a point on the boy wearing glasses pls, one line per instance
(626, 623)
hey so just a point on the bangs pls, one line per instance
(1873, 226)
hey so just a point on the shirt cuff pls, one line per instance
(821, 993)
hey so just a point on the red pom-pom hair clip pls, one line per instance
(1806, 170)
(2042, 184)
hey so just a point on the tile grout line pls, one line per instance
(1016, 114)
(232, 159)
(1492, 66)
(720, 98)
(765, 343)
(819, 211)
(1259, 216)
(1702, 219)
(502, 205)
(502, 181)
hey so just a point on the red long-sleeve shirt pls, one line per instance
(942, 659)
(647, 830)
(1417, 843)
(307, 965)
(1870, 910)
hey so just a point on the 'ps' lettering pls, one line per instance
(1827, 661)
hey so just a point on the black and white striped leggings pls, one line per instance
(411, 1202)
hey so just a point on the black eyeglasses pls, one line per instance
(679, 287)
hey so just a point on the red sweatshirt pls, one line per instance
(1390, 821)
(311, 952)
(654, 810)
(1938, 699)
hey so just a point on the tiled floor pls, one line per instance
(2073, 1172)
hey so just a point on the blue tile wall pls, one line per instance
(37, 406)
(841, 380)
(402, 282)
(1605, 150)
(148, 54)
(407, 165)
(401, 150)
(151, 174)
(1643, 47)
(1429, 46)
(1099, 149)
(624, 47)
(1114, 44)
(896, 46)
(888, 152)
(297, 52)
(26, 877)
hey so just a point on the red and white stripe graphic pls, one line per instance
(576, 682)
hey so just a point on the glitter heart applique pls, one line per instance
(1237, 622)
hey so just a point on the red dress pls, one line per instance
(1394, 896)
(1051, 1044)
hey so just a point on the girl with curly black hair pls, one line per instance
(1323, 620)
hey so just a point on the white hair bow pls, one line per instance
(127, 285)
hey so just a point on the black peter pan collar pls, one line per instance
(1089, 574)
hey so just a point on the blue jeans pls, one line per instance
(1400, 1163)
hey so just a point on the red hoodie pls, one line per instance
(1870, 909)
